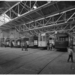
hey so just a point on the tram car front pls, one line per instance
(61, 41)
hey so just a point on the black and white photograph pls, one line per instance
(37, 37)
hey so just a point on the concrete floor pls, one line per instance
(34, 61)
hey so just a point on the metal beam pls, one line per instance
(28, 11)
(58, 19)
(11, 7)
(70, 17)
(48, 25)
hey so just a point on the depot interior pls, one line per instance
(37, 23)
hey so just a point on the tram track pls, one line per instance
(4, 53)
(17, 57)
(49, 63)
(30, 61)
(8, 72)
(34, 60)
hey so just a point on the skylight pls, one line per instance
(19, 15)
(4, 19)
(34, 7)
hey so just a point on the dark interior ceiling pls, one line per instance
(5, 5)
(45, 11)
(50, 9)
(26, 6)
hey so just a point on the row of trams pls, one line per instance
(60, 41)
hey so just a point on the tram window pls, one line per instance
(44, 38)
(63, 39)
(41, 38)
(60, 39)
(66, 39)
(57, 39)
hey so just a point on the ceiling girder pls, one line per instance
(43, 29)
(52, 28)
(45, 4)
(51, 23)
(58, 21)
(24, 13)
(11, 7)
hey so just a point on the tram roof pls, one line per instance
(62, 35)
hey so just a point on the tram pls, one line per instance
(61, 40)
(18, 43)
(33, 42)
(26, 40)
(7, 42)
(42, 41)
